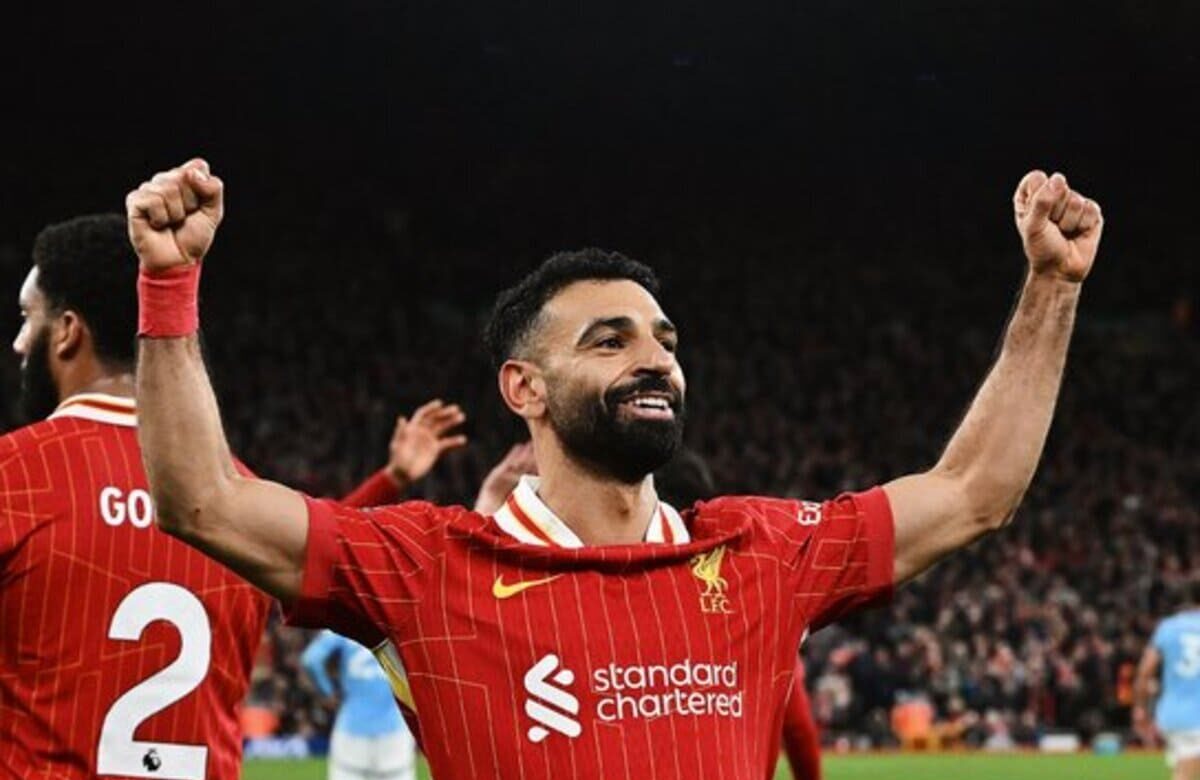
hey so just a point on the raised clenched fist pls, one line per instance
(1059, 228)
(174, 216)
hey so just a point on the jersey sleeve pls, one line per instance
(848, 560)
(376, 490)
(365, 568)
(841, 552)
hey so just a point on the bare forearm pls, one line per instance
(997, 446)
(988, 464)
(1144, 679)
(188, 462)
(257, 528)
(1141, 691)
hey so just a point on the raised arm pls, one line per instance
(981, 477)
(316, 656)
(1144, 682)
(255, 527)
(415, 448)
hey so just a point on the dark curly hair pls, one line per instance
(517, 309)
(87, 266)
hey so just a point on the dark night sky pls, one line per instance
(530, 124)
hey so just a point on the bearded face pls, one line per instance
(39, 395)
(624, 432)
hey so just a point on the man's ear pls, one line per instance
(523, 388)
(67, 335)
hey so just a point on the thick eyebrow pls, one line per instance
(662, 326)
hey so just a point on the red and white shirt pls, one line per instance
(525, 518)
(526, 654)
(123, 652)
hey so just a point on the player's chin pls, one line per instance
(641, 425)
(652, 442)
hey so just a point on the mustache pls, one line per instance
(651, 383)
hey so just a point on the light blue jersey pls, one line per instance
(1177, 639)
(368, 708)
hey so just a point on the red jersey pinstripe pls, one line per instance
(661, 660)
(77, 542)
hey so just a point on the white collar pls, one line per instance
(526, 518)
(100, 407)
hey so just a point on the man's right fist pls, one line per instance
(1059, 227)
(174, 216)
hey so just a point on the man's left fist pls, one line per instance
(1059, 228)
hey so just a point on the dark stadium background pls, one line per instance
(825, 187)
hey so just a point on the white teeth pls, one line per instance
(651, 403)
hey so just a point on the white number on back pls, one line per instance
(1189, 665)
(120, 753)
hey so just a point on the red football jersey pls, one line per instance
(527, 654)
(123, 652)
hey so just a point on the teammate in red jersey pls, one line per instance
(122, 651)
(415, 447)
(588, 629)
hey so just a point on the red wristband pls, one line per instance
(168, 302)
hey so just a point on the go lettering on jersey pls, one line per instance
(117, 506)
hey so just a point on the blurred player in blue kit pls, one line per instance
(1174, 649)
(369, 737)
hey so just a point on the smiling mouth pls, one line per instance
(648, 407)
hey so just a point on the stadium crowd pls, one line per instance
(806, 378)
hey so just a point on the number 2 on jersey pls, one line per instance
(119, 753)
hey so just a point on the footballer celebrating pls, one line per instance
(1172, 657)
(122, 651)
(588, 629)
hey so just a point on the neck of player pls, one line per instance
(600, 510)
(116, 383)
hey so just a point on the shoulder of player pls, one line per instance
(1173, 625)
(32, 439)
(1180, 621)
(761, 509)
(412, 516)
(773, 518)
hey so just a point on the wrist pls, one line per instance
(1043, 291)
(398, 477)
(169, 302)
(1052, 280)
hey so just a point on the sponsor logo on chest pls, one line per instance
(622, 693)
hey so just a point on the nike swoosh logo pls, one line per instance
(502, 591)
